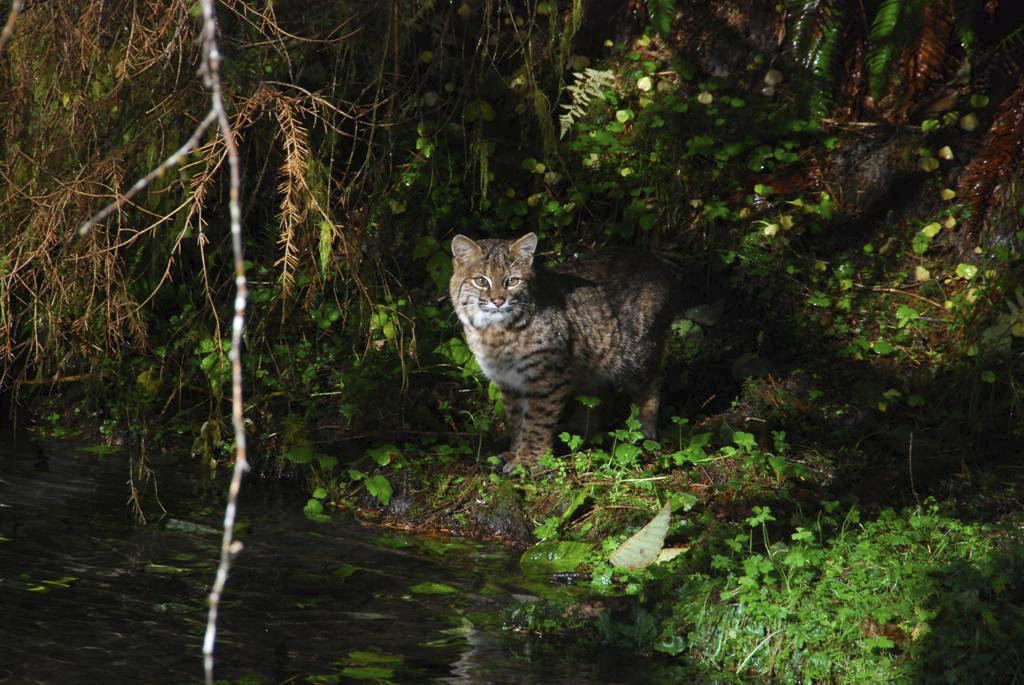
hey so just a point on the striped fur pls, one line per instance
(541, 334)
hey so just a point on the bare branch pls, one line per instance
(5, 35)
(172, 161)
(211, 75)
(210, 70)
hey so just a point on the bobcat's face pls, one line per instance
(493, 296)
(491, 280)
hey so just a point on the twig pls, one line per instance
(910, 467)
(16, 7)
(880, 289)
(171, 161)
(60, 379)
(755, 650)
(643, 480)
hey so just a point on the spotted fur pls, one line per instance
(541, 334)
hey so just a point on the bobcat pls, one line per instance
(541, 333)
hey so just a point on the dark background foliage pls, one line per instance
(372, 132)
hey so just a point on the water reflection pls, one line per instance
(88, 596)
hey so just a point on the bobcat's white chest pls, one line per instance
(502, 368)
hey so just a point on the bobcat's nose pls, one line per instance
(498, 301)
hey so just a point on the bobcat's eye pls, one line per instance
(481, 281)
(512, 281)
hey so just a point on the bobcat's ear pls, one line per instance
(463, 248)
(525, 246)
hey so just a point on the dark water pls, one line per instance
(88, 595)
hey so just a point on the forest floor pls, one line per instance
(842, 519)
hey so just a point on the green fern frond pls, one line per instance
(587, 86)
(883, 39)
(814, 40)
(660, 13)
(819, 102)
(965, 25)
(814, 19)
(887, 20)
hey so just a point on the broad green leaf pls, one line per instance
(314, 511)
(384, 454)
(300, 454)
(744, 439)
(548, 557)
(429, 588)
(165, 570)
(379, 487)
(683, 500)
(966, 271)
(375, 673)
(905, 314)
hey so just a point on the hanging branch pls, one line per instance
(229, 547)
(5, 35)
(210, 71)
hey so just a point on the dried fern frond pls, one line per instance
(929, 53)
(999, 157)
(1005, 56)
(587, 86)
(922, 55)
(294, 206)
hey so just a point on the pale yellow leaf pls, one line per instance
(670, 553)
(642, 549)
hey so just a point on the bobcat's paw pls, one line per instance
(513, 460)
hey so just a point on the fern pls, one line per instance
(814, 40)
(965, 26)
(660, 13)
(294, 192)
(883, 39)
(586, 86)
(930, 51)
(998, 159)
(820, 100)
(1006, 56)
(813, 19)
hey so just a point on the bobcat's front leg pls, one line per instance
(515, 407)
(541, 408)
